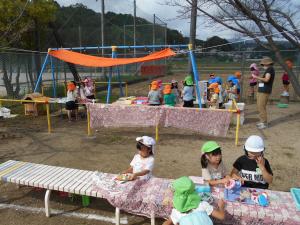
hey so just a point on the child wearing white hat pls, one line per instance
(142, 163)
(252, 168)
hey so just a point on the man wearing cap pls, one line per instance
(264, 90)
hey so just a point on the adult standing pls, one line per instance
(264, 90)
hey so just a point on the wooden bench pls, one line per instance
(56, 178)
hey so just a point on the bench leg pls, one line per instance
(152, 218)
(117, 216)
(47, 205)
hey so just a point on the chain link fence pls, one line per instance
(19, 71)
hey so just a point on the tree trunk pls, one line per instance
(61, 44)
(7, 82)
(30, 75)
(37, 48)
(17, 89)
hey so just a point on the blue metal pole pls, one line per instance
(109, 86)
(114, 55)
(110, 76)
(123, 47)
(53, 77)
(120, 82)
(195, 72)
(41, 73)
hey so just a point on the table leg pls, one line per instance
(61, 113)
(152, 218)
(47, 205)
(117, 216)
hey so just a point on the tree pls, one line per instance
(21, 22)
(263, 20)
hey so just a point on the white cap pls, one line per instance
(254, 143)
(148, 141)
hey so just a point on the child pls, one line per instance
(232, 91)
(188, 207)
(285, 78)
(169, 97)
(71, 101)
(188, 90)
(286, 83)
(221, 92)
(160, 85)
(253, 168)
(142, 164)
(88, 88)
(81, 93)
(212, 78)
(253, 82)
(175, 90)
(213, 169)
(214, 95)
(237, 82)
(155, 96)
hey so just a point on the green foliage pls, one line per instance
(79, 25)
(60, 90)
(17, 20)
(42, 10)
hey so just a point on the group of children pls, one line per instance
(168, 95)
(171, 95)
(252, 169)
(216, 93)
(78, 92)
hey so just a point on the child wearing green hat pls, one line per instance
(213, 169)
(187, 93)
(188, 207)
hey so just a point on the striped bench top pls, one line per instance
(48, 177)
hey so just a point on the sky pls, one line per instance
(146, 9)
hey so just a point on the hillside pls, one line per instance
(78, 25)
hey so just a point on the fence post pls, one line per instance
(89, 121)
(242, 77)
(48, 117)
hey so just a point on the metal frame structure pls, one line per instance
(114, 55)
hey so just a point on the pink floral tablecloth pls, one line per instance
(202, 121)
(155, 196)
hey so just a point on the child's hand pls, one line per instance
(221, 204)
(260, 162)
(133, 176)
(226, 180)
(241, 180)
(236, 177)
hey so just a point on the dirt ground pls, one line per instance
(177, 154)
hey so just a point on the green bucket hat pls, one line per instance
(209, 146)
(189, 80)
(185, 197)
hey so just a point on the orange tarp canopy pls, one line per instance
(94, 61)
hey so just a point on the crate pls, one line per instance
(33, 108)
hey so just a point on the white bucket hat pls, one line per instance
(254, 143)
(147, 141)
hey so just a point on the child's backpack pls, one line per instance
(196, 218)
